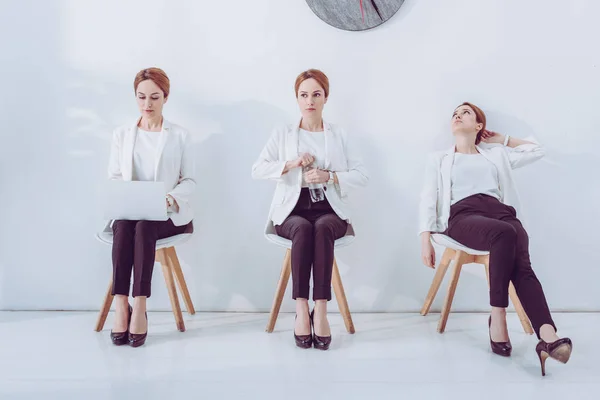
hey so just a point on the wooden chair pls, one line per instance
(284, 277)
(167, 257)
(463, 255)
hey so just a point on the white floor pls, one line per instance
(229, 356)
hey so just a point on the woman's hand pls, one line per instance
(316, 176)
(492, 137)
(174, 205)
(427, 251)
(304, 160)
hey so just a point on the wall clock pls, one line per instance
(355, 15)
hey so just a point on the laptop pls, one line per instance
(135, 200)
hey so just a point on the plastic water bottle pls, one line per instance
(316, 189)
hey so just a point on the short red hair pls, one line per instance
(157, 76)
(315, 74)
(479, 117)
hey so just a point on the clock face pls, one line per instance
(355, 15)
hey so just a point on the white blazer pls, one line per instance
(340, 156)
(434, 209)
(174, 164)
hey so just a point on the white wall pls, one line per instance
(67, 69)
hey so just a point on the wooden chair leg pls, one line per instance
(458, 263)
(280, 292)
(162, 257)
(108, 299)
(437, 279)
(487, 270)
(173, 262)
(340, 296)
(520, 310)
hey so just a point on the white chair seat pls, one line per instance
(273, 237)
(450, 243)
(106, 237)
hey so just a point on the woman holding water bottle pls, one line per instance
(315, 167)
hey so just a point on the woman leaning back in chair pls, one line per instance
(315, 167)
(470, 195)
(150, 149)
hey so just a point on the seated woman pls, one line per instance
(470, 195)
(151, 149)
(315, 167)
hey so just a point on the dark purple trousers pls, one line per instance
(482, 222)
(313, 229)
(134, 246)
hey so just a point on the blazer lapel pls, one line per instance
(128, 144)
(499, 167)
(328, 137)
(487, 155)
(291, 146)
(162, 141)
(446, 171)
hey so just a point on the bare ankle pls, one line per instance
(498, 314)
(301, 306)
(121, 304)
(321, 306)
(139, 304)
(548, 334)
(121, 299)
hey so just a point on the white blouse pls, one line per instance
(473, 174)
(144, 155)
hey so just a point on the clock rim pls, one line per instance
(355, 30)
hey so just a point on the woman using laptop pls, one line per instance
(315, 167)
(150, 149)
(470, 195)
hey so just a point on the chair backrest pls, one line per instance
(273, 237)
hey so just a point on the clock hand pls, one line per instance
(376, 9)
(362, 11)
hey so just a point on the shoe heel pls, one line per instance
(559, 350)
(543, 357)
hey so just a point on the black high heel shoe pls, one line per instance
(319, 342)
(303, 341)
(120, 338)
(138, 339)
(560, 350)
(503, 349)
